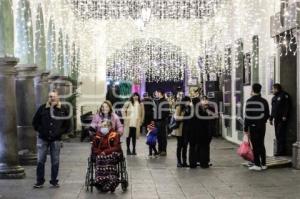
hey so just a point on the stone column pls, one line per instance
(41, 87)
(9, 161)
(296, 146)
(25, 111)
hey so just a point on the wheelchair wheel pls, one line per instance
(124, 185)
(92, 176)
(88, 176)
(124, 176)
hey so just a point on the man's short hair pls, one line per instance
(204, 97)
(256, 88)
(53, 91)
(161, 91)
(277, 87)
(186, 99)
(146, 94)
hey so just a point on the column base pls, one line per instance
(11, 172)
(296, 155)
(28, 159)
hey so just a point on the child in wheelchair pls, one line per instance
(107, 153)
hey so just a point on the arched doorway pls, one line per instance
(149, 64)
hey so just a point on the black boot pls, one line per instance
(129, 152)
(133, 152)
(184, 164)
(128, 146)
(179, 165)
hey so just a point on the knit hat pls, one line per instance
(151, 126)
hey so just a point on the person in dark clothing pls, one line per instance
(186, 126)
(209, 115)
(180, 115)
(148, 108)
(195, 131)
(256, 115)
(50, 121)
(204, 134)
(161, 115)
(279, 114)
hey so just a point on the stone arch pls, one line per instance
(51, 46)
(7, 30)
(24, 33)
(142, 57)
(40, 40)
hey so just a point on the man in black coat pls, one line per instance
(208, 116)
(196, 132)
(161, 115)
(279, 114)
(148, 109)
(50, 121)
(257, 114)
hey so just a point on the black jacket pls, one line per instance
(280, 106)
(162, 109)
(148, 107)
(197, 127)
(51, 128)
(256, 112)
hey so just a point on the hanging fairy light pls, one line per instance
(287, 43)
(157, 59)
(162, 9)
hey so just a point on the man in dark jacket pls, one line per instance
(257, 114)
(148, 108)
(208, 116)
(279, 113)
(50, 121)
(161, 117)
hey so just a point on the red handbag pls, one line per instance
(245, 150)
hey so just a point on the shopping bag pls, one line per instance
(245, 150)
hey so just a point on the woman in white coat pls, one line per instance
(133, 114)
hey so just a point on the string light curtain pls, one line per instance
(162, 9)
(156, 59)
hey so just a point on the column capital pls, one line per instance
(7, 65)
(26, 70)
(42, 76)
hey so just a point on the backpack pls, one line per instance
(173, 124)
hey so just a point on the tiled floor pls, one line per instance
(159, 178)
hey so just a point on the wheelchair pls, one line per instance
(90, 179)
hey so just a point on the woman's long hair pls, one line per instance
(183, 100)
(108, 103)
(131, 98)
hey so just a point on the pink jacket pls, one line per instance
(116, 123)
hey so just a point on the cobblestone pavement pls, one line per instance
(159, 178)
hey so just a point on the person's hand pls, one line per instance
(283, 118)
(102, 154)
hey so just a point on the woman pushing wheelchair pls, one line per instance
(107, 165)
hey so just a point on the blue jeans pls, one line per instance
(42, 149)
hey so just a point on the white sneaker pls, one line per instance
(264, 167)
(255, 168)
